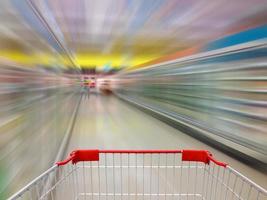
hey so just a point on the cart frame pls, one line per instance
(197, 175)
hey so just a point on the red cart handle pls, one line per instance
(187, 155)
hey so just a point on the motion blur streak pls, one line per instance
(221, 91)
(36, 107)
(201, 62)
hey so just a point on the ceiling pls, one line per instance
(116, 33)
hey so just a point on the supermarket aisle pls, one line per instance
(106, 122)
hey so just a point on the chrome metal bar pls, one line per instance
(34, 181)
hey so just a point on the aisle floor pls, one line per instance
(105, 122)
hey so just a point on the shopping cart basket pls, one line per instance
(141, 174)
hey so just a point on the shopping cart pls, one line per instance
(141, 174)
